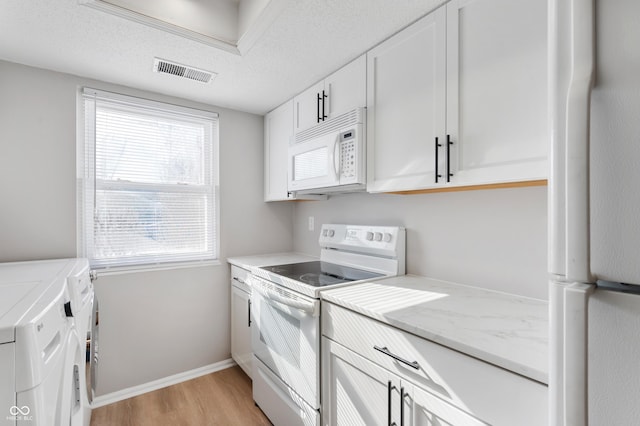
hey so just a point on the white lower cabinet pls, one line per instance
(355, 390)
(241, 320)
(376, 374)
(427, 409)
(359, 392)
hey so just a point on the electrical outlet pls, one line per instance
(311, 223)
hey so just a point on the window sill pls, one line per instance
(130, 269)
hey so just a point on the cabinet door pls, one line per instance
(406, 106)
(278, 130)
(426, 409)
(497, 90)
(346, 89)
(307, 107)
(241, 328)
(356, 391)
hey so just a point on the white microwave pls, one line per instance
(330, 156)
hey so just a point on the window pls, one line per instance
(147, 182)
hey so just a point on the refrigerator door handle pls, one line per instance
(577, 141)
(575, 371)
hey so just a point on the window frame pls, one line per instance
(87, 183)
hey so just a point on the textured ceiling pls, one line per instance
(307, 41)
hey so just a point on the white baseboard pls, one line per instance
(120, 395)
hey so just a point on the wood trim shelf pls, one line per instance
(523, 184)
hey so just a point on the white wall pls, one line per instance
(494, 239)
(248, 12)
(152, 324)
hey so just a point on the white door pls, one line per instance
(314, 163)
(497, 90)
(278, 131)
(51, 401)
(615, 145)
(307, 107)
(406, 106)
(241, 328)
(80, 405)
(346, 89)
(355, 390)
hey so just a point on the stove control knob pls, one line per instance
(325, 232)
(369, 236)
(387, 237)
(331, 233)
(377, 236)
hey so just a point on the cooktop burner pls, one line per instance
(320, 274)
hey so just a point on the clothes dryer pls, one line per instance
(36, 328)
(82, 300)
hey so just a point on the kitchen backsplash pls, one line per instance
(495, 239)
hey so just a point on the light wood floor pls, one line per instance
(220, 398)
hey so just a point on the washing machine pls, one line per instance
(36, 333)
(82, 305)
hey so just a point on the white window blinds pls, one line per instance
(147, 182)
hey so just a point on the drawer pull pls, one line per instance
(239, 280)
(384, 350)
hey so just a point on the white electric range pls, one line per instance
(286, 313)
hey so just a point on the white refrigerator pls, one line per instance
(594, 212)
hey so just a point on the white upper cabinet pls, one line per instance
(497, 90)
(405, 106)
(342, 91)
(471, 74)
(308, 107)
(278, 130)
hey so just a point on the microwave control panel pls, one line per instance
(348, 152)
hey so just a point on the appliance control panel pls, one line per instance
(382, 240)
(348, 151)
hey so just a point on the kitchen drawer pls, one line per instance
(239, 278)
(490, 393)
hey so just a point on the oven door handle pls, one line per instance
(301, 305)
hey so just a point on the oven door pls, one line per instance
(286, 336)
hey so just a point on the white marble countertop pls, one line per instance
(248, 262)
(502, 329)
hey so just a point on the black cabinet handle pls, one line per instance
(401, 406)
(249, 313)
(449, 143)
(324, 96)
(437, 146)
(390, 388)
(318, 100)
(386, 351)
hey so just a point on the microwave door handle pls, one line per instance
(336, 157)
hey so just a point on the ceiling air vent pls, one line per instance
(184, 71)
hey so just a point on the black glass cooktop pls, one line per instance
(320, 274)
